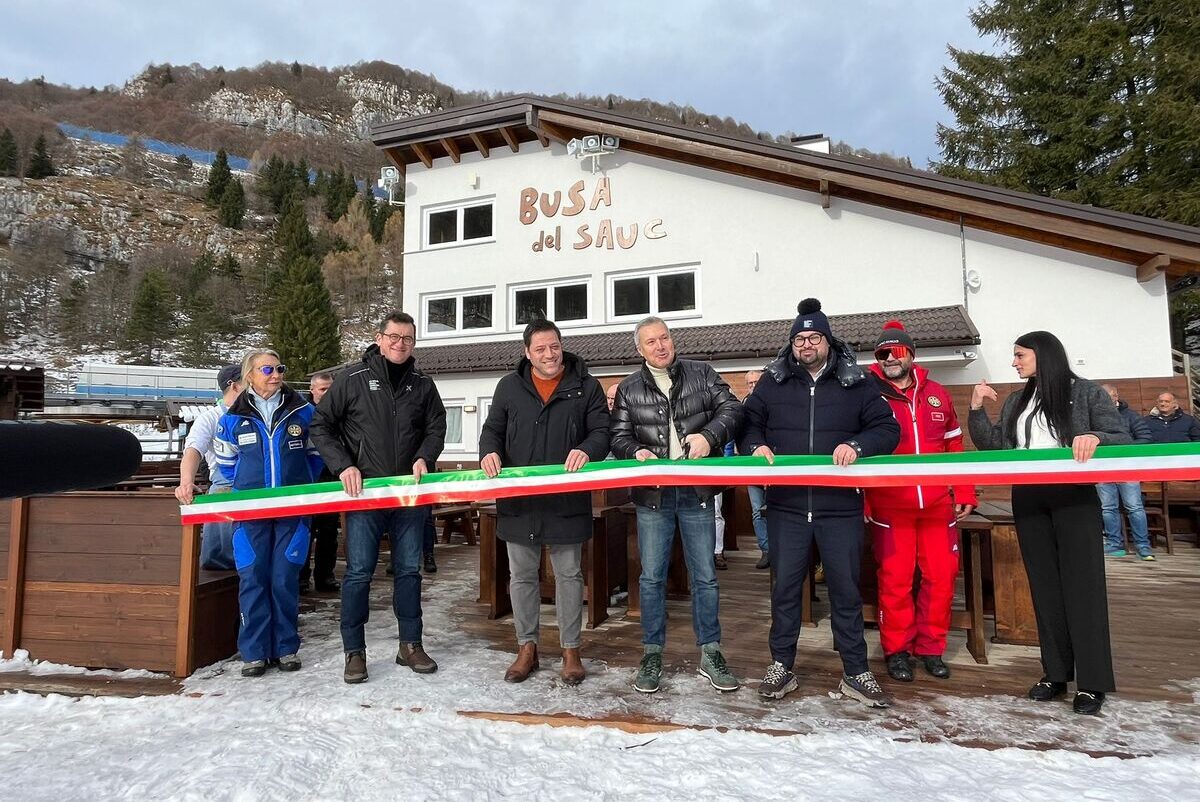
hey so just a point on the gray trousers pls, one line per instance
(523, 564)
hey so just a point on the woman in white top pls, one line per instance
(1059, 526)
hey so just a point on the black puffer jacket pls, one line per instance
(792, 414)
(522, 430)
(360, 422)
(700, 402)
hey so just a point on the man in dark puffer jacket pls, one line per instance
(814, 399)
(549, 411)
(675, 409)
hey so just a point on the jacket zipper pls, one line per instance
(912, 407)
(812, 422)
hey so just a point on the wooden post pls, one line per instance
(189, 570)
(973, 588)
(10, 637)
(633, 563)
(596, 569)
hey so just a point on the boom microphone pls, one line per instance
(53, 457)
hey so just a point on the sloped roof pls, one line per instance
(929, 327)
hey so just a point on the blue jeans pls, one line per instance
(216, 540)
(656, 533)
(1115, 495)
(758, 503)
(405, 529)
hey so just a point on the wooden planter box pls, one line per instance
(111, 580)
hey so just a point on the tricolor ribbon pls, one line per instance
(1144, 463)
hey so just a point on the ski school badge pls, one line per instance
(934, 401)
(294, 430)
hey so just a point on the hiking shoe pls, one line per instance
(899, 667)
(1111, 552)
(719, 561)
(1146, 556)
(289, 662)
(413, 656)
(778, 682)
(254, 668)
(649, 672)
(1045, 690)
(763, 562)
(430, 565)
(713, 668)
(934, 665)
(1088, 703)
(865, 689)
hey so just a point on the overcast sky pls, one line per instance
(859, 70)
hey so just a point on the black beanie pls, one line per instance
(894, 334)
(810, 319)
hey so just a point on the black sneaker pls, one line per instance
(430, 565)
(899, 667)
(778, 682)
(327, 584)
(1045, 690)
(934, 665)
(1088, 703)
(865, 689)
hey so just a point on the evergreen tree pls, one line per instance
(233, 205)
(297, 70)
(293, 238)
(304, 327)
(150, 319)
(183, 167)
(1092, 102)
(8, 153)
(40, 165)
(198, 335)
(219, 176)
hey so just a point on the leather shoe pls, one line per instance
(572, 669)
(526, 663)
(413, 656)
(1088, 703)
(899, 667)
(934, 665)
(1045, 690)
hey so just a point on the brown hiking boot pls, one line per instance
(413, 656)
(525, 664)
(572, 669)
(356, 668)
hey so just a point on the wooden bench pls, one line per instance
(108, 580)
(460, 518)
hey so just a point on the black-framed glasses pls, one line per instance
(807, 339)
(407, 339)
(267, 370)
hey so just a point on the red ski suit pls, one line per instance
(914, 526)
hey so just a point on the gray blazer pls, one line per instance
(1092, 412)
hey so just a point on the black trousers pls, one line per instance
(790, 538)
(1058, 528)
(325, 532)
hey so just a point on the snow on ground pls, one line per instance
(310, 736)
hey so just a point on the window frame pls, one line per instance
(459, 208)
(458, 330)
(549, 285)
(651, 275)
(460, 404)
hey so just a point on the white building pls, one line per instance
(723, 237)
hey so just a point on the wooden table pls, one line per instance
(608, 528)
(1012, 602)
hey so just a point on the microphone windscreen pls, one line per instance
(54, 457)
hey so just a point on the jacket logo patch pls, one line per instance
(939, 416)
(372, 384)
(294, 444)
(294, 430)
(249, 438)
(934, 401)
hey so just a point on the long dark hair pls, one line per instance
(1052, 383)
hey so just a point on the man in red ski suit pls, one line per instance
(915, 527)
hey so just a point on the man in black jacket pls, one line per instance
(1169, 423)
(675, 409)
(814, 399)
(382, 418)
(548, 411)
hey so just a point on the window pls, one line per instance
(669, 293)
(564, 302)
(454, 425)
(485, 407)
(464, 223)
(460, 312)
